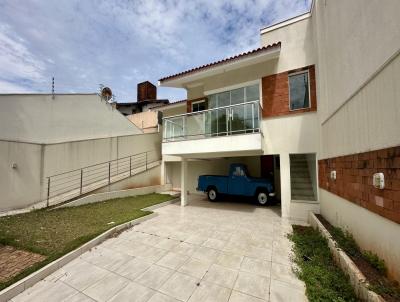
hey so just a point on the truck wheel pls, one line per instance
(212, 194)
(262, 198)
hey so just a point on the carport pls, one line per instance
(183, 173)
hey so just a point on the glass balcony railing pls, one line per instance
(230, 120)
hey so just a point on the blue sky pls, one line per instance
(121, 43)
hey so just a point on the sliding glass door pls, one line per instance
(236, 119)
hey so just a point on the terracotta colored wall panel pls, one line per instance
(275, 91)
(354, 180)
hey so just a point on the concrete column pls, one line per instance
(184, 168)
(163, 173)
(285, 184)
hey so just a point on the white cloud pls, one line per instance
(121, 43)
(8, 87)
(16, 60)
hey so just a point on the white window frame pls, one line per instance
(198, 102)
(309, 89)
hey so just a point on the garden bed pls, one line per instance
(53, 233)
(324, 280)
(368, 263)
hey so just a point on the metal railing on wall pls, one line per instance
(71, 184)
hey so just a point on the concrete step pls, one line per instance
(301, 185)
(298, 170)
(300, 174)
(300, 180)
(301, 197)
(307, 192)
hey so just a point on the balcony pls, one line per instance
(229, 129)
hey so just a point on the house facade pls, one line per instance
(316, 108)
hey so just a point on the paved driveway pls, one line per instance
(203, 252)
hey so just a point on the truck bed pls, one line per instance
(220, 182)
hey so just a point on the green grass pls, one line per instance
(324, 280)
(54, 233)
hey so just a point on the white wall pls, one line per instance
(21, 185)
(291, 134)
(313, 170)
(297, 48)
(354, 39)
(151, 177)
(79, 154)
(370, 120)
(358, 71)
(39, 118)
(27, 185)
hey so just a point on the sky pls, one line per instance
(85, 43)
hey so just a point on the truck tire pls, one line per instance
(262, 197)
(212, 194)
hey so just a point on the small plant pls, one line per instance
(346, 241)
(375, 261)
(368, 262)
(324, 280)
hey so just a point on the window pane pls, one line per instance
(198, 106)
(237, 96)
(299, 94)
(212, 101)
(224, 99)
(252, 93)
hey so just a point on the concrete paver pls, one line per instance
(203, 252)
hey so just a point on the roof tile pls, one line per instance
(223, 61)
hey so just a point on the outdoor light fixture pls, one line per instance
(378, 180)
(333, 175)
(14, 165)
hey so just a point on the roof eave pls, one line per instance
(180, 81)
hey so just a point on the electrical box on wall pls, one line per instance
(378, 180)
(333, 175)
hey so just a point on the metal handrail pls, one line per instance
(70, 181)
(181, 130)
(100, 163)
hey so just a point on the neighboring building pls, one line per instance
(146, 100)
(317, 106)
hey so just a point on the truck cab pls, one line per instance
(238, 182)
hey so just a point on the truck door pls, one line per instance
(237, 181)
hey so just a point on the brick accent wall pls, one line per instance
(354, 180)
(275, 93)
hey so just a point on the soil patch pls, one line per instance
(379, 283)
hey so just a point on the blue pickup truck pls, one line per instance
(237, 183)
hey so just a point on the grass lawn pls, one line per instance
(54, 233)
(324, 280)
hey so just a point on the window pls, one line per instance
(238, 119)
(299, 91)
(239, 172)
(236, 96)
(198, 106)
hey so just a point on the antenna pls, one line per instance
(52, 87)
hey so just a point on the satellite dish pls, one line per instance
(106, 93)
